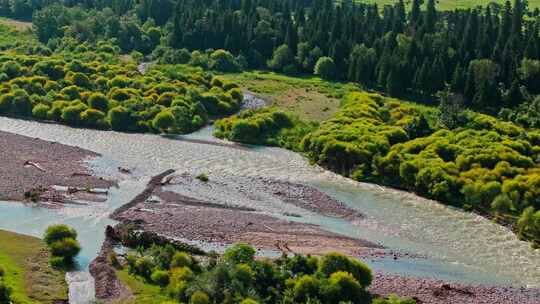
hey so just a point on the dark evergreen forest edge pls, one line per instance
(478, 64)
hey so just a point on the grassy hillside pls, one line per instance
(27, 272)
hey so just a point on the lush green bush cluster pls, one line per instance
(267, 126)
(102, 95)
(366, 126)
(488, 165)
(237, 277)
(63, 245)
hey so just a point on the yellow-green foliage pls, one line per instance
(267, 126)
(488, 165)
(367, 125)
(109, 95)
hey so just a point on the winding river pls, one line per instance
(457, 246)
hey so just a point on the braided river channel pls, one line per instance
(445, 243)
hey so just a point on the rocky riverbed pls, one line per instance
(177, 215)
(36, 170)
(429, 291)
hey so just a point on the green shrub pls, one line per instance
(66, 248)
(239, 254)
(11, 68)
(335, 262)
(6, 103)
(72, 114)
(56, 233)
(181, 259)
(264, 126)
(120, 118)
(300, 264)
(79, 79)
(163, 121)
(243, 274)
(223, 61)
(343, 287)
(57, 262)
(199, 297)
(180, 274)
(143, 267)
(2, 271)
(160, 277)
(306, 287)
(40, 111)
(93, 118)
(325, 68)
(21, 105)
(529, 226)
(98, 101)
(71, 92)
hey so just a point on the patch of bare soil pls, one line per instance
(34, 166)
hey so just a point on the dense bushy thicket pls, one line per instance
(485, 53)
(365, 127)
(99, 94)
(267, 126)
(237, 277)
(488, 165)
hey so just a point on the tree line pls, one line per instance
(487, 54)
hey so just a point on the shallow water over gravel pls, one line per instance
(458, 246)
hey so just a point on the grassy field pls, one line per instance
(12, 32)
(310, 98)
(144, 293)
(453, 4)
(26, 261)
(16, 24)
